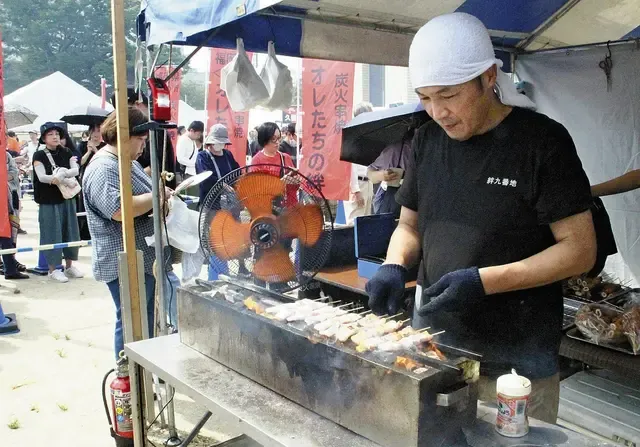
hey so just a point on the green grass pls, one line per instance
(35, 408)
(66, 337)
(14, 424)
(56, 336)
(61, 353)
(63, 407)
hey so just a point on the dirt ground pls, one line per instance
(51, 372)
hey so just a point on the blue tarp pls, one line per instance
(319, 28)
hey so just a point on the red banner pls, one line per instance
(174, 94)
(219, 110)
(5, 226)
(327, 103)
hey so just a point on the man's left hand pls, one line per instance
(452, 291)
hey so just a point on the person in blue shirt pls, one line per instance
(215, 158)
(220, 162)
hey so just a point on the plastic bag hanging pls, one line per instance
(277, 78)
(241, 82)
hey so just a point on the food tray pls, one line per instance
(571, 307)
(621, 298)
(577, 335)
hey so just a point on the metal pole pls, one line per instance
(586, 46)
(298, 114)
(158, 218)
(193, 53)
(196, 429)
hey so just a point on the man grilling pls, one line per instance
(494, 208)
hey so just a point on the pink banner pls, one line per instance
(327, 103)
(218, 109)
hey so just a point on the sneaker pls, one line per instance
(73, 272)
(57, 275)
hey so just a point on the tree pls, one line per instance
(71, 36)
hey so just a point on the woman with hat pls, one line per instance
(220, 162)
(55, 165)
(215, 158)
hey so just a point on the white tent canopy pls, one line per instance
(50, 98)
(187, 114)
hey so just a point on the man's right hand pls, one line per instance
(386, 289)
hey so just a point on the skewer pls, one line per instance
(355, 308)
(424, 329)
(404, 321)
(437, 333)
(344, 305)
(366, 312)
(393, 316)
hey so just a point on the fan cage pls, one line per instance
(307, 260)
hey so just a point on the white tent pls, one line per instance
(51, 97)
(187, 114)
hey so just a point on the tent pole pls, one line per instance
(124, 160)
(207, 74)
(587, 46)
(152, 67)
(126, 195)
(193, 53)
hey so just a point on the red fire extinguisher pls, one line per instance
(119, 417)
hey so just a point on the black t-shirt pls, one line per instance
(489, 201)
(44, 193)
(170, 164)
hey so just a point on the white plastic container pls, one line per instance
(513, 396)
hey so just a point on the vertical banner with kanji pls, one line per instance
(174, 93)
(327, 103)
(218, 109)
(5, 226)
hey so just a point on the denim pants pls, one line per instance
(58, 223)
(9, 261)
(171, 287)
(171, 297)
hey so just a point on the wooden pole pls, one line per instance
(124, 161)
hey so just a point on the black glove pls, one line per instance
(386, 289)
(452, 291)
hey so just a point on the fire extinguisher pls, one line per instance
(120, 420)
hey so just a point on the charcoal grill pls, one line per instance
(363, 392)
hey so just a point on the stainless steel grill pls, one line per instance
(363, 392)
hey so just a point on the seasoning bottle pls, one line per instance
(513, 396)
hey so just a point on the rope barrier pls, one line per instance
(11, 251)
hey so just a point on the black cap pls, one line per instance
(133, 96)
(60, 126)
